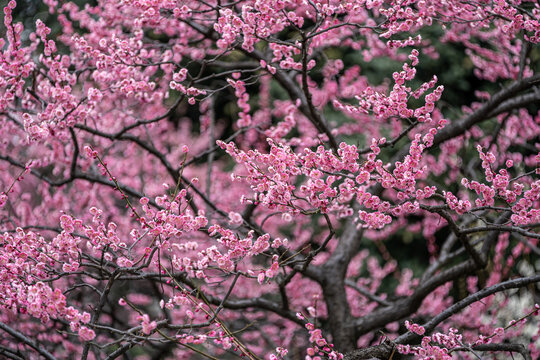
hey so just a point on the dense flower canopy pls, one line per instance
(269, 179)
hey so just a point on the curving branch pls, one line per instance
(384, 350)
(23, 339)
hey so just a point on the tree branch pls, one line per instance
(25, 340)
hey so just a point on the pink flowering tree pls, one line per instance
(194, 179)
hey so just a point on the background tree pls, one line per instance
(277, 179)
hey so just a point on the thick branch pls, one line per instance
(460, 305)
(409, 305)
(384, 350)
(27, 341)
(489, 109)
